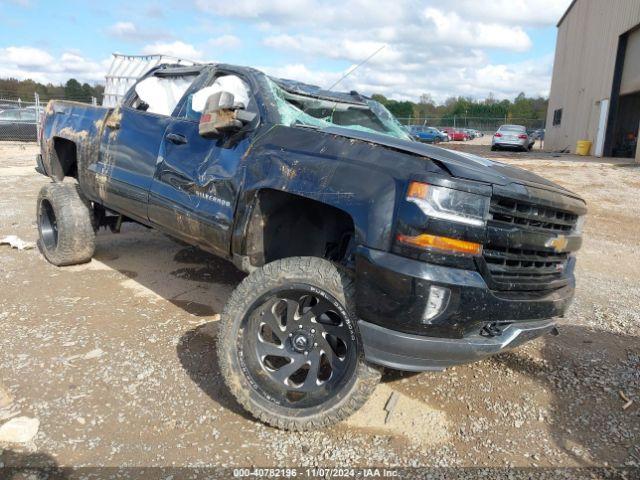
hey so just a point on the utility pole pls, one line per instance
(36, 102)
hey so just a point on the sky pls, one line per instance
(454, 48)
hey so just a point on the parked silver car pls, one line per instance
(512, 136)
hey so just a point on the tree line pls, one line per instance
(522, 107)
(13, 88)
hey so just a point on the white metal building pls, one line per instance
(125, 70)
(595, 91)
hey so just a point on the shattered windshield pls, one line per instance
(366, 115)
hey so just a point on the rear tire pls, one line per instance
(65, 224)
(279, 312)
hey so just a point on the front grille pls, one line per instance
(507, 210)
(533, 265)
(518, 266)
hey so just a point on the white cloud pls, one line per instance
(334, 48)
(257, 8)
(25, 57)
(178, 49)
(441, 48)
(380, 13)
(530, 76)
(473, 78)
(122, 29)
(450, 29)
(225, 42)
(431, 46)
(155, 11)
(302, 73)
(129, 31)
(519, 12)
(29, 62)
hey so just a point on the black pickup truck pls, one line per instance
(364, 248)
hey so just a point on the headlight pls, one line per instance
(579, 228)
(448, 204)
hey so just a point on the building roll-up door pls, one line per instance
(631, 71)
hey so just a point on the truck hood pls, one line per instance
(459, 164)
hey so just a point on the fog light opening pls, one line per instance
(436, 303)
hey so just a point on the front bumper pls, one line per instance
(392, 294)
(417, 353)
(393, 291)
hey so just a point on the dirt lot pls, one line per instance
(115, 357)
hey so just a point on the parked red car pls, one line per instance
(456, 134)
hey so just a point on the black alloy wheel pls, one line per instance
(48, 225)
(65, 224)
(297, 346)
(289, 348)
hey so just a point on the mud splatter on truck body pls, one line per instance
(295, 182)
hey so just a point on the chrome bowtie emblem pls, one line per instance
(558, 243)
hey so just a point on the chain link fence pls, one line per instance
(486, 125)
(20, 117)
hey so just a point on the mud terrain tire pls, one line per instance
(334, 290)
(65, 224)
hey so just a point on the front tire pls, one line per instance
(289, 347)
(65, 224)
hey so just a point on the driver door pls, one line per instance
(195, 187)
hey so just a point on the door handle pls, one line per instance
(176, 138)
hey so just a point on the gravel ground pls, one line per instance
(115, 358)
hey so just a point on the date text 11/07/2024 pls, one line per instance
(316, 472)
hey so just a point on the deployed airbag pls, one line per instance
(162, 94)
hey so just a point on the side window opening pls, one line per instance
(160, 95)
(195, 101)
